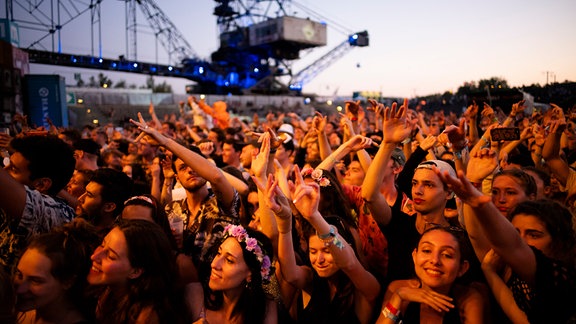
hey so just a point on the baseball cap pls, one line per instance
(286, 132)
(398, 156)
(441, 165)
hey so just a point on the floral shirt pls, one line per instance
(41, 214)
(206, 228)
(374, 243)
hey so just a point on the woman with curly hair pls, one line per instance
(235, 291)
(136, 270)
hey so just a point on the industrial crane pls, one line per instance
(259, 40)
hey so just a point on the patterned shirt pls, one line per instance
(204, 230)
(41, 214)
(374, 243)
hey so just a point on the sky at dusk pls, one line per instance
(417, 47)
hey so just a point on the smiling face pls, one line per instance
(90, 203)
(437, 260)
(229, 270)
(321, 258)
(35, 285)
(110, 263)
(507, 193)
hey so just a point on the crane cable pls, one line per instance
(331, 23)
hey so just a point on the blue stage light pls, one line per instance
(170, 68)
(135, 65)
(100, 60)
(114, 64)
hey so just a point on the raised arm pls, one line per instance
(197, 162)
(551, 151)
(306, 199)
(356, 143)
(395, 131)
(298, 276)
(318, 124)
(152, 112)
(499, 231)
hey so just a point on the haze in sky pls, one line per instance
(417, 47)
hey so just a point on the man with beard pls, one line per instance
(206, 210)
(104, 198)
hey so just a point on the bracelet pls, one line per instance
(457, 155)
(354, 119)
(288, 231)
(331, 238)
(332, 159)
(391, 312)
(331, 233)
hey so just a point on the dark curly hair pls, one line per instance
(252, 304)
(559, 223)
(48, 156)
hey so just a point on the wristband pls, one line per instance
(331, 238)
(458, 154)
(354, 119)
(391, 312)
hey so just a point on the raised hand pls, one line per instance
(463, 188)
(346, 126)
(428, 142)
(457, 135)
(518, 108)
(275, 199)
(481, 164)
(359, 142)
(557, 112)
(147, 130)
(260, 158)
(472, 111)
(306, 197)
(487, 111)
(395, 127)
(319, 122)
(352, 107)
(207, 148)
(166, 164)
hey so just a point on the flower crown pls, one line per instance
(316, 175)
(239, 233)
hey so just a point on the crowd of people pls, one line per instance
(381, 214)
